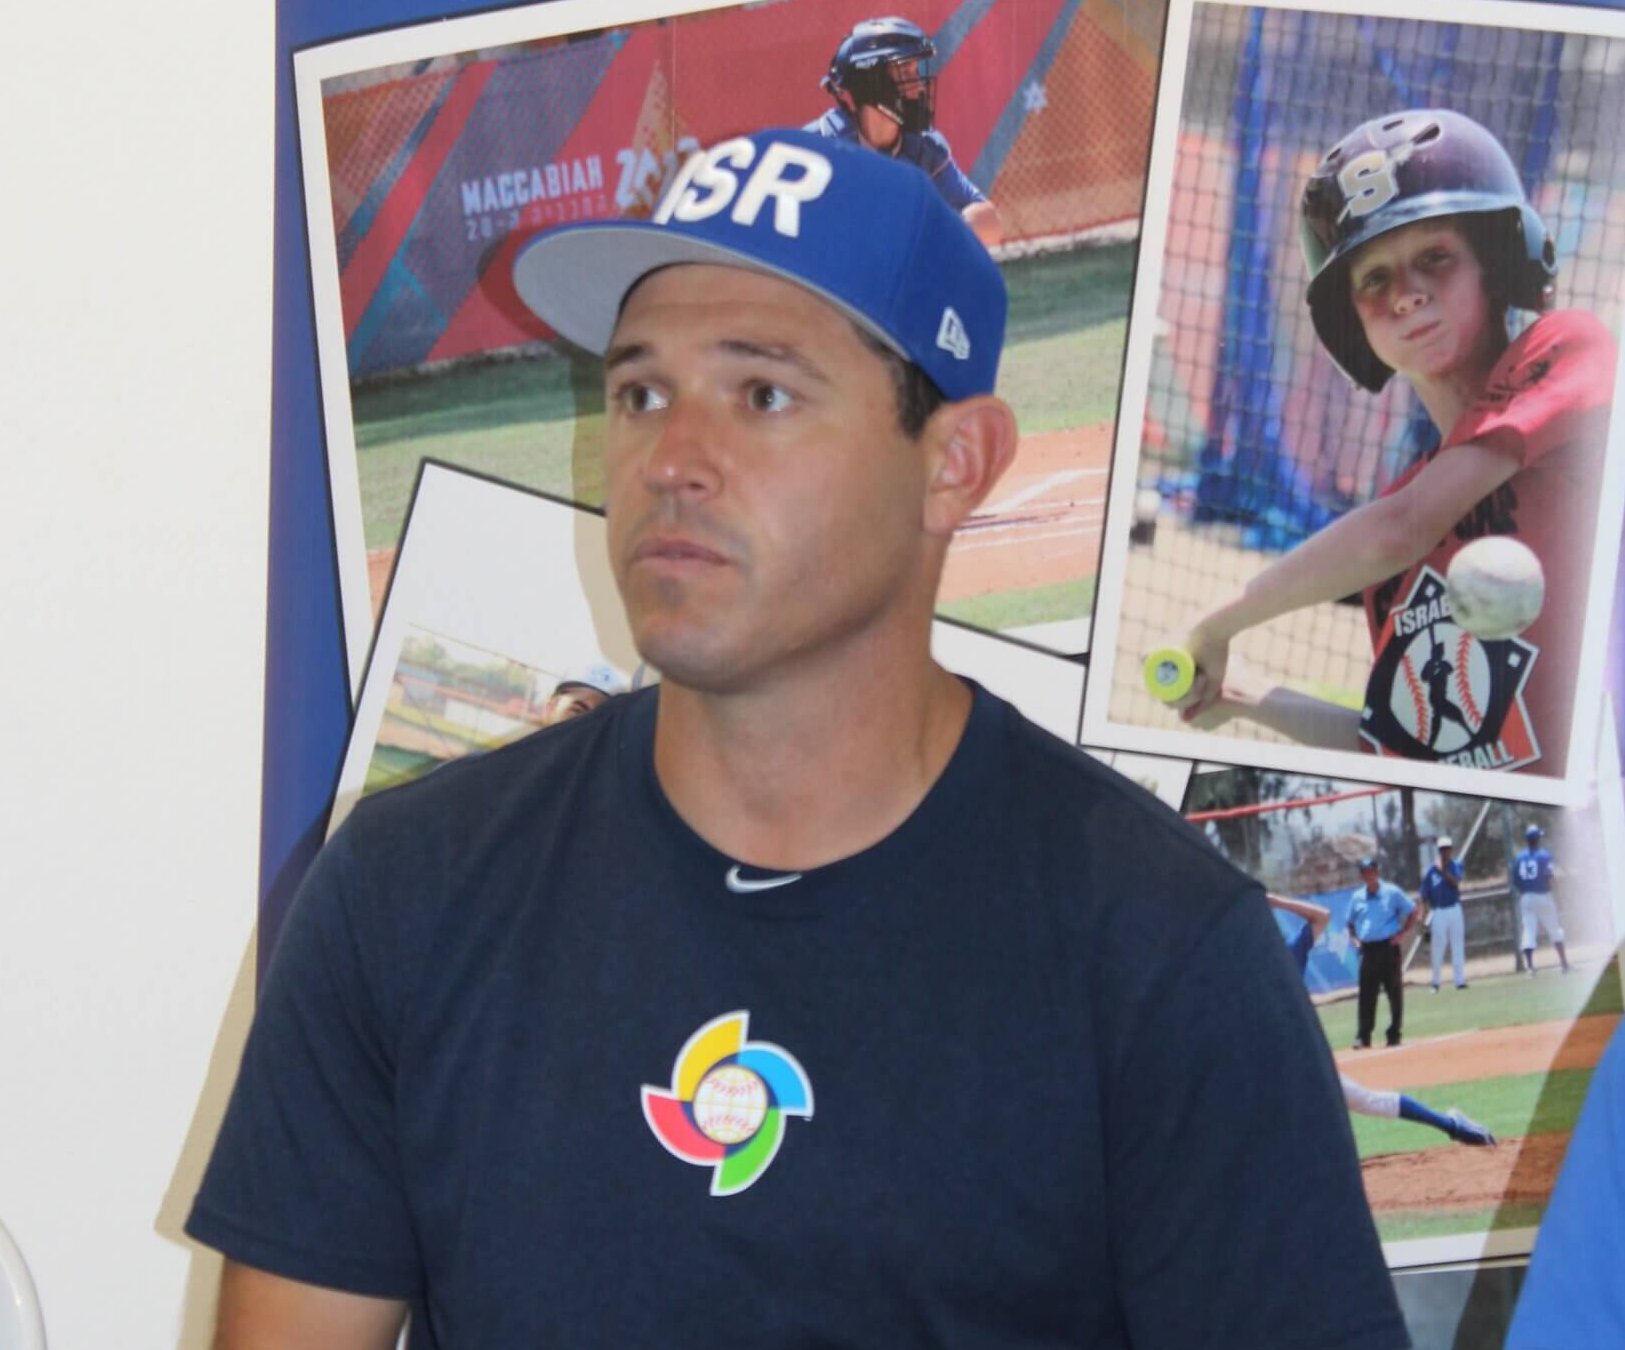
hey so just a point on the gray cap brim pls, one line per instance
(577, 280)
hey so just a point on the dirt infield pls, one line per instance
(1517, 1171)
(1042, 526)
(1539, 1047)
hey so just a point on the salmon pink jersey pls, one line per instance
(1437, 692)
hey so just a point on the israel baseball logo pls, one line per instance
(728, 1100)
(1438, 692)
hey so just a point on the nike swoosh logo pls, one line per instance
(747, 885)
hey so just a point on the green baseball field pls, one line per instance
(1512, 1052)
(538, 422)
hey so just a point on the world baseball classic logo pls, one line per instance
(728, 1100)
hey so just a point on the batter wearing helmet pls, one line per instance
(1419, 241)
(885, 98)
(1532, 878)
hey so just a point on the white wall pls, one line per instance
(135, 250)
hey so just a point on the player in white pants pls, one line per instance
(1539, 910)
(1532, 875)
(1440, 894)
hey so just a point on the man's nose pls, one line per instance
(682, 457)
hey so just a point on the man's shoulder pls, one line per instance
(1565, 325)
(1104, 819)
(1561, 353)
(929, 149)
(834, 123)
(524, 780)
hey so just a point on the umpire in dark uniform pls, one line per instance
(1380, 918)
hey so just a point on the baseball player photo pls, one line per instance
(1453, 1123)
(1380, 918)
(1532, 872)
(432, 154)
(1440, 896)
(1497, 1058)
(1431, 272)
(885, 98)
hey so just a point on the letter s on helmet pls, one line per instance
(1402, 168)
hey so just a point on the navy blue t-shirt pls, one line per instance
(1035, 1070)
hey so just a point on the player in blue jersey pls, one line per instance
(885, 98)
(1357, 1096)
(1532, 878)
(1441, 904)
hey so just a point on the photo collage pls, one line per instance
(1261, 547)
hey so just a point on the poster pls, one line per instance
(1199, 435)
(1248, 464)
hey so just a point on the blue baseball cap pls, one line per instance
(869, 234)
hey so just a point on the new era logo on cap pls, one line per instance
(869, 234)
(952, 337)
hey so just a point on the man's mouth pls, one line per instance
(672, 548)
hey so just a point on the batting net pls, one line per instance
(1252, 437)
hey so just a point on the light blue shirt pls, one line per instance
(1380, 914)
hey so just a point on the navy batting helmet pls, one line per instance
(1402, 168)
(867, 68)
(1533, 832)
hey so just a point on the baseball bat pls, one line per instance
(1169, 673)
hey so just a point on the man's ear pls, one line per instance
(972, 443)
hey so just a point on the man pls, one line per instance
(1366, 1101)
(581, 694)
(1441, 909)
(886, 101)
(1532, 877)
(743, 1008)
(1380, 919)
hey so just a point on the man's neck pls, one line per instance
(793, 779)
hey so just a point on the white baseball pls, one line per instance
(1496, 587)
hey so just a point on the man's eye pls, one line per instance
(1372, 281)
(639, 398)
(768, 398)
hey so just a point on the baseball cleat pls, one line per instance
(1466, 1130)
